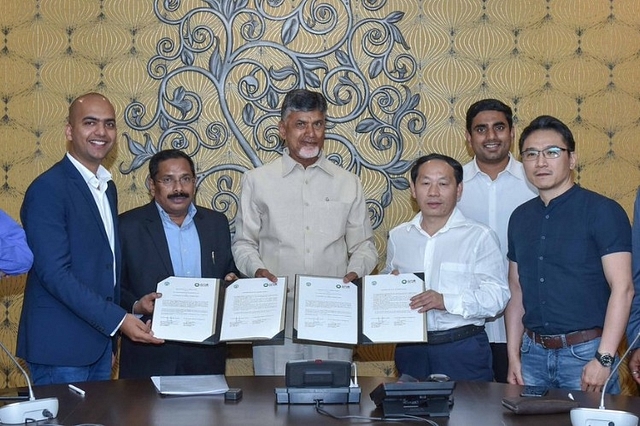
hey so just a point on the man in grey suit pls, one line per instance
(171, 236)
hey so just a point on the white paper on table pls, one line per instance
(187, 309)
(253, 309)
(190, 385)
(386, 316)
(326, 310)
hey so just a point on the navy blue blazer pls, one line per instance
(70, 303)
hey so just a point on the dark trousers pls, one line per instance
(466, 359)
(139, 360)
(500, 362)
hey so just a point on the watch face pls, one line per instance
(606, 360)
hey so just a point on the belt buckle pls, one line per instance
(544, 340)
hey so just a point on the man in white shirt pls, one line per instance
(494, 185)
(302, 214)
(464, 271)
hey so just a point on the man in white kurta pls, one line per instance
(301, 214)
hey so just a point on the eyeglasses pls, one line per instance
(549, 153)
(169, 181)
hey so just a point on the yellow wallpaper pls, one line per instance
(576, 59)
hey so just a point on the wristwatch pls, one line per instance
(606, 359)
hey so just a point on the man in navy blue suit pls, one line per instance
(71, 311)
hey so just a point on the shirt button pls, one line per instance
(541, 280)
(540, 258)
(543, 238)
(546, 217)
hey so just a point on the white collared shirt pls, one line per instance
(462, 261)
(98, 186)
(491, 202)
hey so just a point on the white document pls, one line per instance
(190, 385)
(326, 310)
(253, 309)
(187, 309)
(387, 317)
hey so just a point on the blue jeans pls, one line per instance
(559, 368)
(42, 374)
(466, 359)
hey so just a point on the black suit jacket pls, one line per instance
(145, 262)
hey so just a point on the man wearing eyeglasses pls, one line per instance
(171, 236)
(569, 271)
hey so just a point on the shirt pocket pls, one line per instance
(455, 277)
(331, 218)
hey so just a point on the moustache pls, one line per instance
(178, 195)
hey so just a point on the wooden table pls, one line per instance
(136, 403)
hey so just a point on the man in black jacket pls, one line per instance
(170, 236)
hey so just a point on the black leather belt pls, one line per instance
(453, 335)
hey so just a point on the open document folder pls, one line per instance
(202, 310)
(375, 310)
(190, 385)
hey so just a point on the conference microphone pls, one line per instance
(601, 416)
(29, 411)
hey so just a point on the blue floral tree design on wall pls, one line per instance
(254, 55)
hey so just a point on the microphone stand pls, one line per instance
(615, 368)
(29, 409)
(601, 415)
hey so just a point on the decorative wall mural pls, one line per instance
(226, 65)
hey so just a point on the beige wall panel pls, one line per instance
(515, 14)
(514, 77)
(611, 110)
(484, 43)
(580, 13)
(37, 41)
(547, 43)
(67, 14)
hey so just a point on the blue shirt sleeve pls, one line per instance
(15, 255)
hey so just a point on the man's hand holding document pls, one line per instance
(187, 309)
(326, 310)
(191, 310)
(377, 310)
(387, 317)
(254, 309)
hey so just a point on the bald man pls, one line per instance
(71, 311)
